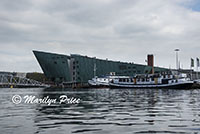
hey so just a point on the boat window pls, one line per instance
(143, 79)
(152, 79)
(104, 79)
(131, 80)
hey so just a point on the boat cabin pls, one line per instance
(148, 79)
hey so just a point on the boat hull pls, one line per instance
(185, 85)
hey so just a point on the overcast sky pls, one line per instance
(122, 30)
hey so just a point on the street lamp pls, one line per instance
(177, 50)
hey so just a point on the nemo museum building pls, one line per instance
(79, 69)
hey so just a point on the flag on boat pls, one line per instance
(197, 62)
(192, 62)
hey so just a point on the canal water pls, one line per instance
(99, 111)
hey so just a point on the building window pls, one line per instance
(122, 67)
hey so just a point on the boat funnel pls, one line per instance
(150, 62)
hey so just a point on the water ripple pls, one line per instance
(103, 111)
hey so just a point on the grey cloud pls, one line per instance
(115, 29)
(15, 5)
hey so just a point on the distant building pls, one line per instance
(79, 69)
(21, 75)
(6, 73)
(194, 75)
(16, 74)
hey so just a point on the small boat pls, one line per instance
(152, 81)
(97, 82)
(103, 81)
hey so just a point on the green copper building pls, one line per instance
(76, 68)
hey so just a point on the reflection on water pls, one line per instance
(112, 111)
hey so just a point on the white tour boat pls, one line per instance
(152, 81)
